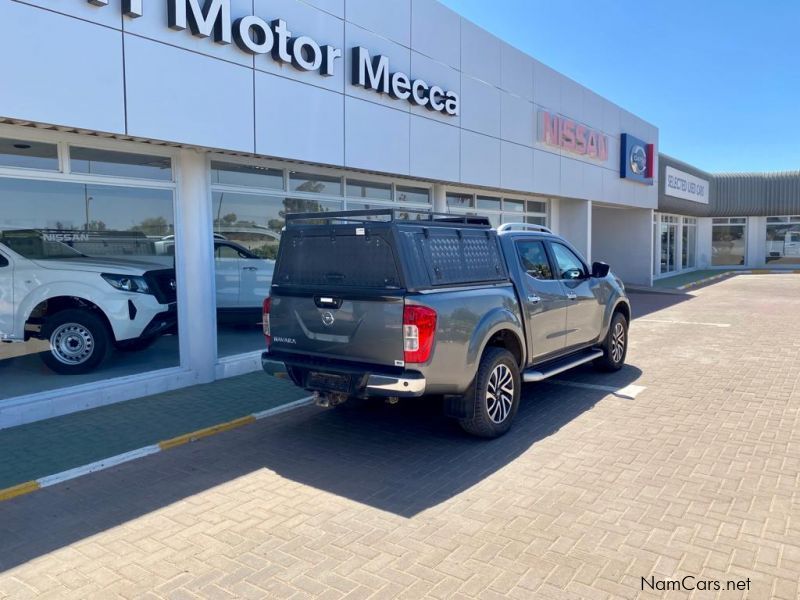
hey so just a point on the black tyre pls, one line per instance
(495, 394)
(79, 341)
(136, 344)
(615, 346)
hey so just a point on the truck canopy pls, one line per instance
(388, 249)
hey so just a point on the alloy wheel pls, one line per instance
(618, 342)
(500, 393)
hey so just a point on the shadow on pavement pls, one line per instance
(645, 303)
(402, 459)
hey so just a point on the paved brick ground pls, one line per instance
(588, 493)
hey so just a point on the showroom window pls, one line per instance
(689, 243)
(783, 240)
(499, 210)
(119, 164)
(26, 154)
(728, 241)
(250, 203)
(91, 263)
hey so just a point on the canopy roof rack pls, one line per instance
(404, 215)
(523, 227)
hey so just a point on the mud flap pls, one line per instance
(459, 407)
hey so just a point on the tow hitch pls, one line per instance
(329, 399)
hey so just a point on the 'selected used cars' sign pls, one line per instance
(683, 185)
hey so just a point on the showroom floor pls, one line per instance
(23, 373)
(591, 493)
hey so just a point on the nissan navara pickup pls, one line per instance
(387, 303)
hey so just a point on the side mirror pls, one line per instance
(599, 269)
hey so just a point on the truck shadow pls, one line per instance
(403, 459)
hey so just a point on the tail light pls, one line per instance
(419, 329)
(265, 321)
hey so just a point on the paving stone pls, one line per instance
(587, 494)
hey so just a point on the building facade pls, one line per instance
(178, 134)
(725, 221)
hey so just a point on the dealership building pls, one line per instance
(179, 133)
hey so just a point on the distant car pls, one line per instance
(81, 305)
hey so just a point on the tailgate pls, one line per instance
(339, 326)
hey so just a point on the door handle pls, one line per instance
(571, 295)
(249, 268)
(534, 299)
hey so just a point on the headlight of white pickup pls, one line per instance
(127, 283)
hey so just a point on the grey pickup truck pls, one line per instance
(390, 303)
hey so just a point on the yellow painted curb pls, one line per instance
(19, 490)
(203, 433)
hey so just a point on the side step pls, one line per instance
(559, 366)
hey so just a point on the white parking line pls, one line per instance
(683, 322)
(629, 392)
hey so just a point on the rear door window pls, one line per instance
(534, 259)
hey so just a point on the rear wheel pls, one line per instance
(615, 346)
(79, 341)
(495, 394)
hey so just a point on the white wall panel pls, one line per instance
(153, 25)
(435, 73)
(399, 60)
(516, 167)
(572, 178)
(110, 15)
(480, 106)
(388, 19)
(334, 7)
(376, 137)
(295, 120)
(572, 100)
(303, 19)
(77, 84)
(434, 150)
(436, 32)
(516, 72)
(192, 98)
(546, 172)
(516, 120)
(480, 159)
(480, 53)
(546, 86)
(593, 110)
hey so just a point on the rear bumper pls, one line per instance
(362, 381)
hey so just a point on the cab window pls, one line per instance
(3, 261)
(534, 260)
(223, 251)
(568, 264)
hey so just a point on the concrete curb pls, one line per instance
(112, 461)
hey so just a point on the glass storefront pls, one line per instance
(88, 289)
(499, 210)
(783, 240)
(675, 243)
(728, 241)
(689, 243)
(250, 204)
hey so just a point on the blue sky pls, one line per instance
(720, 79)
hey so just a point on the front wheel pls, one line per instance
(615, 346)
(495, 394)
(79, 341)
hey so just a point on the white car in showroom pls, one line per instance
(242, 278)
(83, 306)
